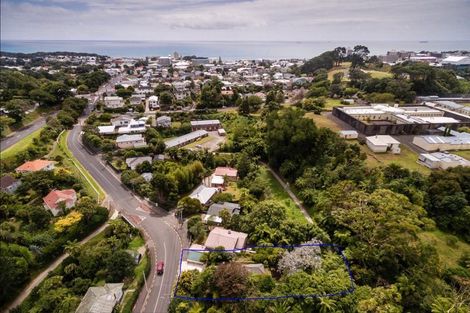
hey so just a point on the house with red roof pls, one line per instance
(57, 199)
(35, 166)
(229, 172)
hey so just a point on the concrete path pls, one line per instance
(291, 194)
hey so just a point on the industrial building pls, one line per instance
(382, 119)
(456, 141)
(383, 144)
(441, 160)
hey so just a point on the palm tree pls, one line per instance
(72, 248)
(280, 307)
(327, 305)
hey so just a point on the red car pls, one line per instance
(160, 266)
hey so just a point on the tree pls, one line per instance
(166, 99)
(231, 280)
(304, 258)
(359, 55)
(16, 110)
(119, 266)
(189, 206)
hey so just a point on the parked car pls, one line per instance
(160, 266)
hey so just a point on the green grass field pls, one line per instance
(331, 103)
(20, 146)
(378, 74)
(279, 194)
(449, 253)
(406, 158)
(199, 142)
(323, 121)
(343, 68)
(69, 161)
(464, 153)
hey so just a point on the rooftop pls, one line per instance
(185, 138)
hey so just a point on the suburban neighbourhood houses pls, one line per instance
(9, 184)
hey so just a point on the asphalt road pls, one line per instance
(163, 236)
(9, 141)
(163, 240)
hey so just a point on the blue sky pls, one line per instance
(236, 19)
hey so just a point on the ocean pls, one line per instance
(227, 50)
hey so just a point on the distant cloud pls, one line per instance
(236, 19)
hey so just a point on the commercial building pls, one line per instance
(185, 139)
(383, 143)
(382, 119)
(130, 141)
(208, 125)
(440, 160)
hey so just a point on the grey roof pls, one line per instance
(101, 299)
(126, 138)
(185, 138)
(449, 104)
(133, 162)
(216, 208)
(6, 181)
(205, 122)
(257, 268)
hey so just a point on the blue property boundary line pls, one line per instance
(337, 248)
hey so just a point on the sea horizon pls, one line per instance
(226, 49)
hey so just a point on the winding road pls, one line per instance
(164, 239)
(159, 226)
(9, 141)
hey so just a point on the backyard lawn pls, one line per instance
(279, 194)
(449, 247)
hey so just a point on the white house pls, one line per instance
(348, 134)
(383, 143)
(122, 120)
(130, 141)
(203, 194)
(153, 103)
(113, 102)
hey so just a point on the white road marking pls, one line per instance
(163, 278)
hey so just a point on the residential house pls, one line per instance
(147, 176)
(56, 198)
(113, 102)
(136, 99)
(227, 172)
(164, 121)
(132, 163)
(217, 182)
(383, 143)
(226, 238)
(154, 103)
(134, 127)
(9, 184)
(207, 125)
(213, 213)
(122, 120)
(35, 166)
(101, 299)
(130, 141)
(203, 194)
